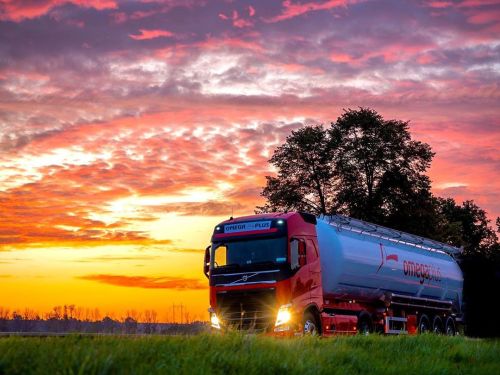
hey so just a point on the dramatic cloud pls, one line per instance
(116, 115)
(147, 282)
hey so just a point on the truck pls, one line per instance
(296, 273)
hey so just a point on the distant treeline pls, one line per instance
(69, 318)
(107, 325)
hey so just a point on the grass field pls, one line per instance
(236, 354)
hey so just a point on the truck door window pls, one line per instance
(220, 256)
(312, 254)
(294, 254)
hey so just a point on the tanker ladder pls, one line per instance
(395, 325)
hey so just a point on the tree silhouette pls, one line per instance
(466, 226)
(380, 168)
(362, 166)
(305, 179)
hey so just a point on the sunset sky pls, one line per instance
(128, 129)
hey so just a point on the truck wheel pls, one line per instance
(423, 324)
(450, 327)
(365, 324)
(437, 325)
(310, 324)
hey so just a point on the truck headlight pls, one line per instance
(284, 315)
(214, 320)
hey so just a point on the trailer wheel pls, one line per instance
(423, 324)
(310, 324)
(365, 326)
(450, 327)
(437, 325)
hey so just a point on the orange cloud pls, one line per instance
(183, 250)
(113, 258)
(164, 282)
(48, 212)
(151, 34)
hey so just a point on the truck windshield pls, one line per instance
(247, 252)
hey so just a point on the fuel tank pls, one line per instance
(366, 262)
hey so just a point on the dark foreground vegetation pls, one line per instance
(236, 354)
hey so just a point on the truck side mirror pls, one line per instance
(206, 263)
(302, 253)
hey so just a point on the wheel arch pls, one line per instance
(365, 315)
(314, 310)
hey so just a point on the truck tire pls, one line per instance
(437, 325)
(365, 326)
(450, 329)
(423, 324)
(310, 325)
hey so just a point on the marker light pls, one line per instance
(279, 222)
(284, 315)
(214, 320)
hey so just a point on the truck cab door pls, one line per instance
(300, 281)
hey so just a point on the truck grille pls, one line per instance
(249, 310)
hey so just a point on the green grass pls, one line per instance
(237, 354)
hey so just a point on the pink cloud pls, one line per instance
(485, 17)
(237, 20)
(292, 9)
(151, 34)
(476, 3)
(425, 59)
(18, 10)
(341, 57)
(119, 17)
(242, 23)
(439, 4)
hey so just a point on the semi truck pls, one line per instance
(296, 273)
